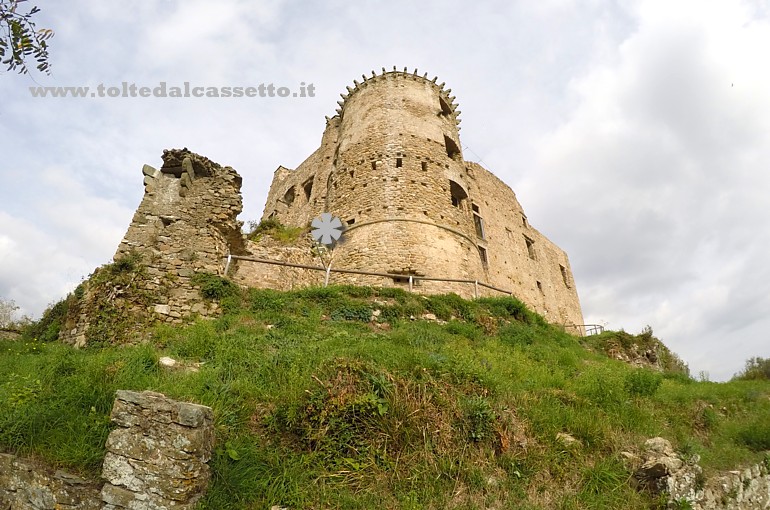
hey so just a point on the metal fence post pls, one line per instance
(410, 283)
(227, 266)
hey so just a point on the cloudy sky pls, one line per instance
(635, 133)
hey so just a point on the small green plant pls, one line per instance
(480, 417)
(755, 435)
(681, 504)
(214, 287)
(352, 312)
(642, 383)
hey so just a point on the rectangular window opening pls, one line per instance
(374, 165)
(404, 275)
(399, 162)
(478, 222)
(351, 221)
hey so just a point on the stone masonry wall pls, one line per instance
(390, 166)
(156, 460)
(157, 457)
(29, 485)
(662, 470)
(186, 223)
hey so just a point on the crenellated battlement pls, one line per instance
(451, 109)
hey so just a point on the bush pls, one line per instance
(642, 383)
(48, 327)
(756, 369)
(755, 435)
(274, 229)
(215, 287)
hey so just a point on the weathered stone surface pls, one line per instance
(29, 485)
(390, 166)
(186, 224)
(664, 471)
(157, 457)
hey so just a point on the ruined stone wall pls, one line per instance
(682, 480)
(390, 166)
(185, 224)
(30, 485)
(156, 459)
(158, 455)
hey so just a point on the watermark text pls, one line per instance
(185, 89)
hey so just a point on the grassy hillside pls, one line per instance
(319, 406)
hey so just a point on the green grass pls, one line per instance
(317, 407)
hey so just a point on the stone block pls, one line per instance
(149, 171)
(157, 457)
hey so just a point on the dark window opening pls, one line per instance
(478, 222)
(307, 187)
(452, 150)
(351, 221)
(289, 196)
(530, 247)
(457, 193)
(399, 162)
(374, 165)
(445, 108)
(405, 273)
(483, 256)
(424, 166)
(565, 276)
(352, 173)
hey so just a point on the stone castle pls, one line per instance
(390, 165)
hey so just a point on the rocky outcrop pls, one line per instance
(665, 471)
(156, 458)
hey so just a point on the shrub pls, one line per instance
(275, 229)
(642, 383)
(756, 368)
(755, 435)
(48, 327)
(215, 287)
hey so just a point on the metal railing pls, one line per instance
(582, 329)
(412, 279)
(585, 329)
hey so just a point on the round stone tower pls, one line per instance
(390, 166)
(399, 181)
